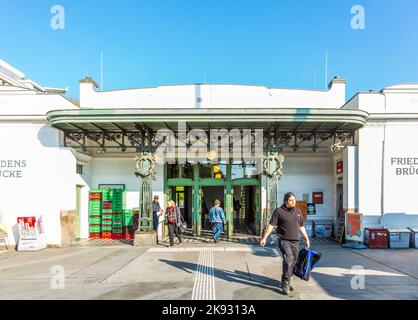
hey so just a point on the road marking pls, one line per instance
(204, 283)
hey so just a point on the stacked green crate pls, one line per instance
(95, 212)
(118, 198)
(118, 206)
(128, 228)
(107, 214)
(128, 218)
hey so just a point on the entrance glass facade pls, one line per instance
(231, 183)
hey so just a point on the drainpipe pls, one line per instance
(382, 200)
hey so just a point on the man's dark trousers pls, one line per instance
(290, 252)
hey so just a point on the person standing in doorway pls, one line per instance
(173, 219)
(156, 213)
(289, 222)
(217, 219)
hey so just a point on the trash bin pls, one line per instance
(322, 228)
(399, 238)
(376, 238)
(414, 237)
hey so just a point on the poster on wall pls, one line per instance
(31, 234)
(354, 227)
(339, 167)
(311, 210)
(318, 197)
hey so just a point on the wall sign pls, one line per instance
(405, 166)
(111, 186)
(318, 197)
(339, 167)
(12, 169)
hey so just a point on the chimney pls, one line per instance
(337, 86)
(88, 88)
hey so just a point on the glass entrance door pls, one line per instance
(209, 194)
(182, 196)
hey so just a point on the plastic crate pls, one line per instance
(95, 220)
(95, 235)
(95, 196)
(118, 236)
(107, 221)
(107, 235)
(106, 228)
(128, 220)
(376, 238)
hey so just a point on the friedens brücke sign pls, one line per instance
(12, 169)
(405, 166)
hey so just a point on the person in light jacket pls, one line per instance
(217, 219)
(173, 219)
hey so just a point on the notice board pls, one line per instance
(354, 227)
(303, 206)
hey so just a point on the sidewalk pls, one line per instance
(220, 271)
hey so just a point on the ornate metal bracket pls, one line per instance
(145, 165)
(273, 165)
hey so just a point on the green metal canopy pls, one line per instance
(252, 118)
(136, 128)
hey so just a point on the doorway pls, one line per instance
(209, 194)
(77, 222)
(182, 196)
(245, 209)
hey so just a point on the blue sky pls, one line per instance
(276, 43)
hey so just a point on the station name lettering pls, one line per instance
(12, 169)
(405, 166)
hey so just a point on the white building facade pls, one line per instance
(359, 156)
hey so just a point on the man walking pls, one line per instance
(290, 225)
(217, 219)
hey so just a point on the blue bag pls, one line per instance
(307, 260)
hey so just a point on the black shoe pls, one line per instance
(214, 240)
(179, 240)
(285, 288)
